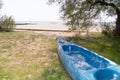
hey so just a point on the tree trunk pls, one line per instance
(116, 32)
(88, 32)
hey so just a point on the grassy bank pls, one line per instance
(100, 44)
(29, 56)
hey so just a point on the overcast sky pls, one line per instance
(30, 10)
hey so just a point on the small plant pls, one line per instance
(7, 23)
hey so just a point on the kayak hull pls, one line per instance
(83, 64)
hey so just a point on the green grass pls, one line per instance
(109, 48)
(29, 56)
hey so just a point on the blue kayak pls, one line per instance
(83, 64)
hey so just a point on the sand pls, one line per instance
(43, 27)
(54, 30)
(56, 34)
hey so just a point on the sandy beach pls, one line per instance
(44, 26)
(54, 30)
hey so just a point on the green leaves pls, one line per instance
(7, 23)
(76, 12)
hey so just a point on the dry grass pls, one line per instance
(29, 56)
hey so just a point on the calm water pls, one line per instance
(41, 25)
(46, 25)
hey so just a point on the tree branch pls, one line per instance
(102, 2)
(106, 4)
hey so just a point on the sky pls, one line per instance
(33, 10)
(30, 10)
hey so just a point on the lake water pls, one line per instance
(41, 25)
(46, 25)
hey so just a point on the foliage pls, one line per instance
(7, 23)
(107, 28)
(76, 12)
(1, 4)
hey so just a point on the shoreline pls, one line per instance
(43, 30)
(54, 28)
